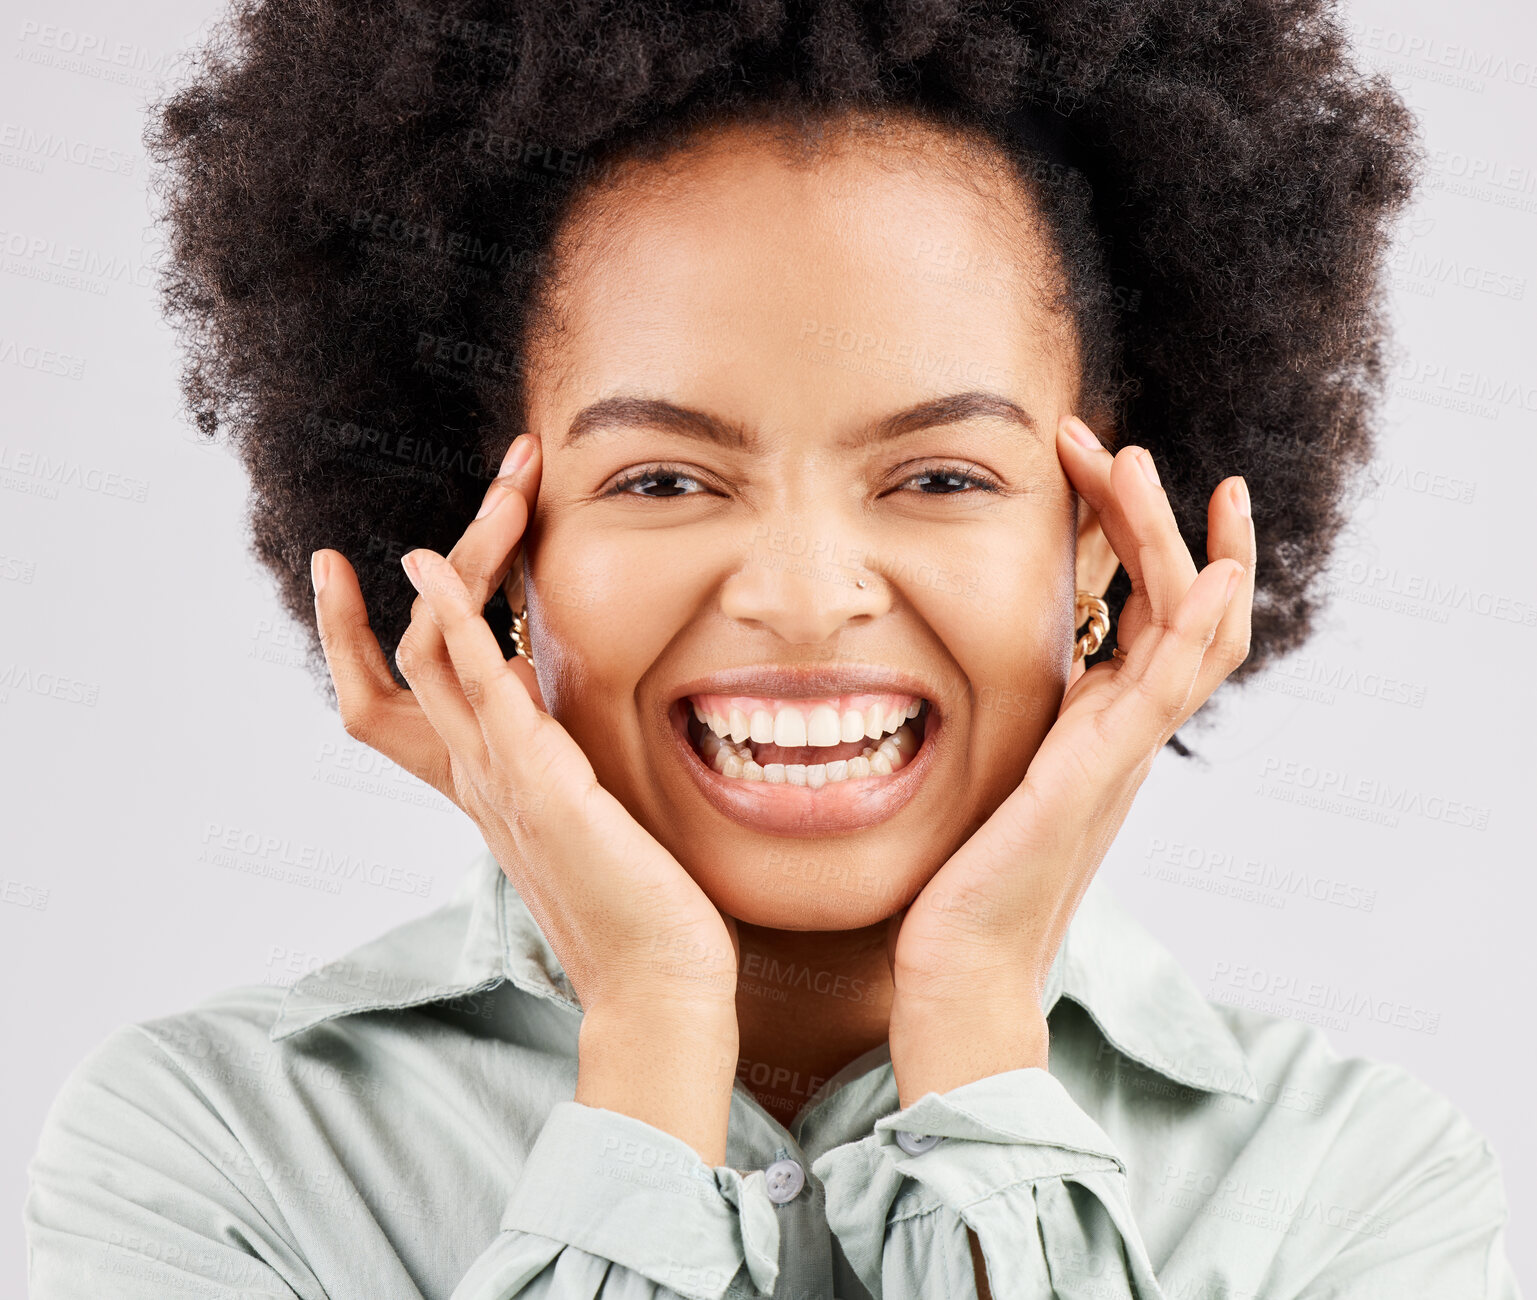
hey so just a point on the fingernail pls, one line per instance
(1241, 497)
(1082, 434)
(1148, 468)
(408, 563)
(495, 495)
(319, 572)
(517, 456)
(1232, 585)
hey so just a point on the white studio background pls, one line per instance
(152, 698)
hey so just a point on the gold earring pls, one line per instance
(1099, 622)
(520, 635)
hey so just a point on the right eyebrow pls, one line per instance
(655, 413)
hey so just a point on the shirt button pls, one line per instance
(915, 1145)
(785, 1179)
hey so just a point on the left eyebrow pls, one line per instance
(627, 411)
(974, 404)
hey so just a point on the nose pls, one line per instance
(804, 586)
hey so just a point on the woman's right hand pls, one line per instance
(652, 960)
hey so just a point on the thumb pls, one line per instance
(524, 672)
(893, 932)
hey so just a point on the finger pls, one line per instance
(482, 557)
(1164, 563)
(425, 664)
(373, 708)
(501, 705)
(1137, 520)
(1229, 535)
(1162, 685)
(485, 553)
(1134, 514)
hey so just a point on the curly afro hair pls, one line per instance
(361, 198)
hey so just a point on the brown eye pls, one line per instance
(656, 481)
(940, 480)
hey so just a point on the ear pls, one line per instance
(1096, 564)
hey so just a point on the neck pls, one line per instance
(808, 1002)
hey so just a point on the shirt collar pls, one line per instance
(1138, 996)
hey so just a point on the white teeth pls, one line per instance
(736, 761)
(724, 736)
(790, 728)
(823, 727)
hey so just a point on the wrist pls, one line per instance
(671, 1067)
(938, 1048)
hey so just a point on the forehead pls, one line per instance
(902, 263)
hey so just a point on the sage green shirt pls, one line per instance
(400, 1124)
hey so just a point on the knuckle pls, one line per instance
(478, 575)
(357, 722)
(1163, 706)
(1231, 650)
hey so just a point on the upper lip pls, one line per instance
(791, 681)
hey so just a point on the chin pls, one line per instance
(810, 886)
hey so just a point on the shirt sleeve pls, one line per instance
(141, 1190)
(610, 1206)
(138, 1190)
(1043, 1187)
(1018, 1162)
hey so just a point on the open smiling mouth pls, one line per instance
(809, 743)
(806, 766)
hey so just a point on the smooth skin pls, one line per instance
(711, 292)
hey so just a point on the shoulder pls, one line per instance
(162, 1073)
(1297, 1066)
(1383, 1142)
(140, 1147)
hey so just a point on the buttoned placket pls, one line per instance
(844, 1109)
(757, 1140)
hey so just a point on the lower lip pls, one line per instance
(847, 805)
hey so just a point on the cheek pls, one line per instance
(601, 609)
(1001, 602)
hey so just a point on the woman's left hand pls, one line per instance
(970, 955)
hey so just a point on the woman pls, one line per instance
(802, 337)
